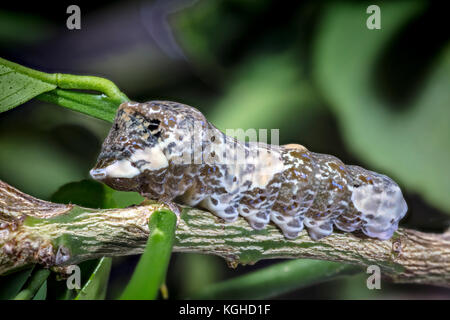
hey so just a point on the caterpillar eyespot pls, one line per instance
(167, 150)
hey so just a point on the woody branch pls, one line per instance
(33, 231)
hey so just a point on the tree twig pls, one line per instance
(35, 231)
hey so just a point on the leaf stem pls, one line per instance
(70, 81)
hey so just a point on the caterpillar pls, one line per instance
(168, 151)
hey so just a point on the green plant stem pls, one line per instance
(151, 270)
(36, 281)
(69, 81)
(277, 279)
(34, 231)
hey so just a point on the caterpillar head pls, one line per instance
(144, 140)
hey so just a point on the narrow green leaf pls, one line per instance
(276, 280)
(67, 295)
(98, 106)
(42, 292)
(17, 88)
(95, 288)
(19, 84)
(34, 284)
(152, 267)
(94, 278)
(11, 284)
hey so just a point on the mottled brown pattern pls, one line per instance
(169, 152)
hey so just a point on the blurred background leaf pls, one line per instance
(41, 294)
(411, 143)
(35, 282)
(86, 193)
(272, 90)
(19, 29)
(10, 285)
(276, 280)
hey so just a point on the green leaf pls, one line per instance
(95, 288)
(17, 87)
(86, 193)
(19, 84)
(125, 199)
(93, 194)
(33, 285)
(411, 145)
(42, 292)
(11, 284)
(94, 280)
(151, 270)
(98, 106)
(276, 280)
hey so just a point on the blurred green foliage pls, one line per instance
(32, 288)
(412, 143)
(23, 29)
(275, 280)
(11, 284)
(41, 294)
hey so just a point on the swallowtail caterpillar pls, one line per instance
(169, 152)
